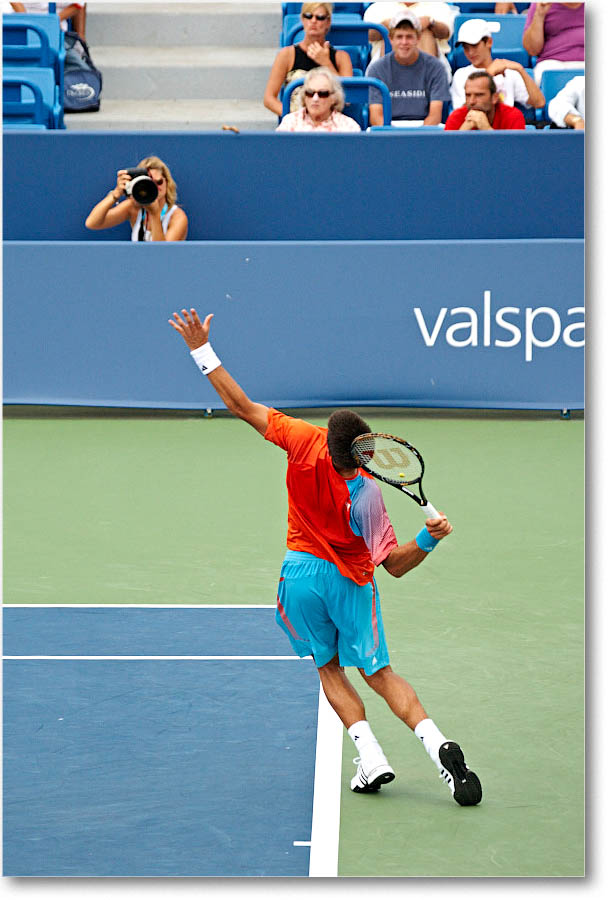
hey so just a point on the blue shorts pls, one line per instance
(323, 613)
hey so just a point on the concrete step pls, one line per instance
(184, 73)
(165, 24)
(178, 115)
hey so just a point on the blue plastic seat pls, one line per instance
(551, 83)
(342, 13)
(30, 96)
(34, 41)
(350, 36)
(356, 91)
(506, 43)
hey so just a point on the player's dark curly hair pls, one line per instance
(343, 426)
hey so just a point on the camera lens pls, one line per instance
(141, 187)
(143, 190)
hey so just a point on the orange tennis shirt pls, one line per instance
(319, 513)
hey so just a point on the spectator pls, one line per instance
(161, 220)
(75, 11)
(555, 33)
(512, 81)
(313, 51)
(436, 23)
(323, 105)
(567, 109)
(484, 110)
(416, 80)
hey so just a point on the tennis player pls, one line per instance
(328, 603)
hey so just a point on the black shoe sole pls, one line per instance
(374, 786)
(467, 786)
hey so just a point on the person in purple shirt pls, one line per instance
(555, 33)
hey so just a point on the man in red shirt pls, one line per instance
(483, 109)
(328, 603)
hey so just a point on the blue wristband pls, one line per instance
(425, 540)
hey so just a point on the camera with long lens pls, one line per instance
(141, 187)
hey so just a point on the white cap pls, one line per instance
(474, 30)
(405, 16)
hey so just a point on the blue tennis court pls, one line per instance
(141, 742)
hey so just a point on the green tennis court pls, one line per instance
(167, 509)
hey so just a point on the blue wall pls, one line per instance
(298, 324)
(383, 186)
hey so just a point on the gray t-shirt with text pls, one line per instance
(411, 87)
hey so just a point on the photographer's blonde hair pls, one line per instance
(153, 162)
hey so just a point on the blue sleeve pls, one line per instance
(371, 521)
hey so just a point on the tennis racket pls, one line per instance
(392, 460)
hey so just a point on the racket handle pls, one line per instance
(430, 512)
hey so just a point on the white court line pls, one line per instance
(325, 833)
(138, 606)
(155, 657)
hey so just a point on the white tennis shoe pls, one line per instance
(370, 779)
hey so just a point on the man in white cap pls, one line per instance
(417, 81)
(513, 83)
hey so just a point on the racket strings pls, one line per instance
(388, 458)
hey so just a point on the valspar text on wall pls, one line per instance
(539, 326)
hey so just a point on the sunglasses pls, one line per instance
(158, 183)
(320, 18)
(322, 94)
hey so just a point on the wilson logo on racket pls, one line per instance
(391, 459)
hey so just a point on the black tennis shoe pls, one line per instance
(463, 783)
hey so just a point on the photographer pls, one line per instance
(157, 219)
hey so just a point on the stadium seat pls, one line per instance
(30, 96)
(506, 43)
(551, 83)
(34, 41)
(356, 91)
(342, 13)
(346, 35)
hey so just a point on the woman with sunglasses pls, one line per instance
(161, 220)
(323, 105)
(294, 61)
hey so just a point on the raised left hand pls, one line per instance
(194, 332)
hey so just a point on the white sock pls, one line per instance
(431, 738)
(365, 742)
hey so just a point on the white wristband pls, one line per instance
(205, 358)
